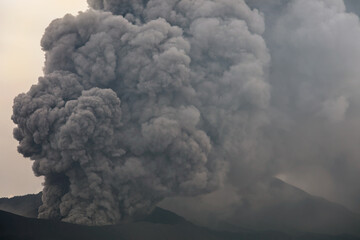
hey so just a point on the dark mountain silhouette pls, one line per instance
(26, 206)
(270, 205)
(292, 209)
(161, 224)
(289, 213)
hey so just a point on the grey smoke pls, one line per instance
(145, 100)
(314, 77)
(312, 137)
(150, 100)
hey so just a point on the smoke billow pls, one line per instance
(142, 100)
(312, 137)
(315, 84)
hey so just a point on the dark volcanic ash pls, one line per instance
(141, 100)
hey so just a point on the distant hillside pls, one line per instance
(285, 209)
(26, 206)
(271, 205)
(295, 210)
(161, 224)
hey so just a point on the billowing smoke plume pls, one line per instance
(315, 80)
(312, 137)
(141, 100)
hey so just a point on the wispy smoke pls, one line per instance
(143, 100)
(315, 84)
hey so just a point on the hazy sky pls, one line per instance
(22, 24)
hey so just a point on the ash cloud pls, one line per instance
(314, 47)
(311, 137)
(143, 100)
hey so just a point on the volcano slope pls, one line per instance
(160, 224)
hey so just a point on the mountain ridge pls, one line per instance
(271, 205)
(15, 227)
(272, 221)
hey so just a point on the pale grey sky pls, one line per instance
(22, 24)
